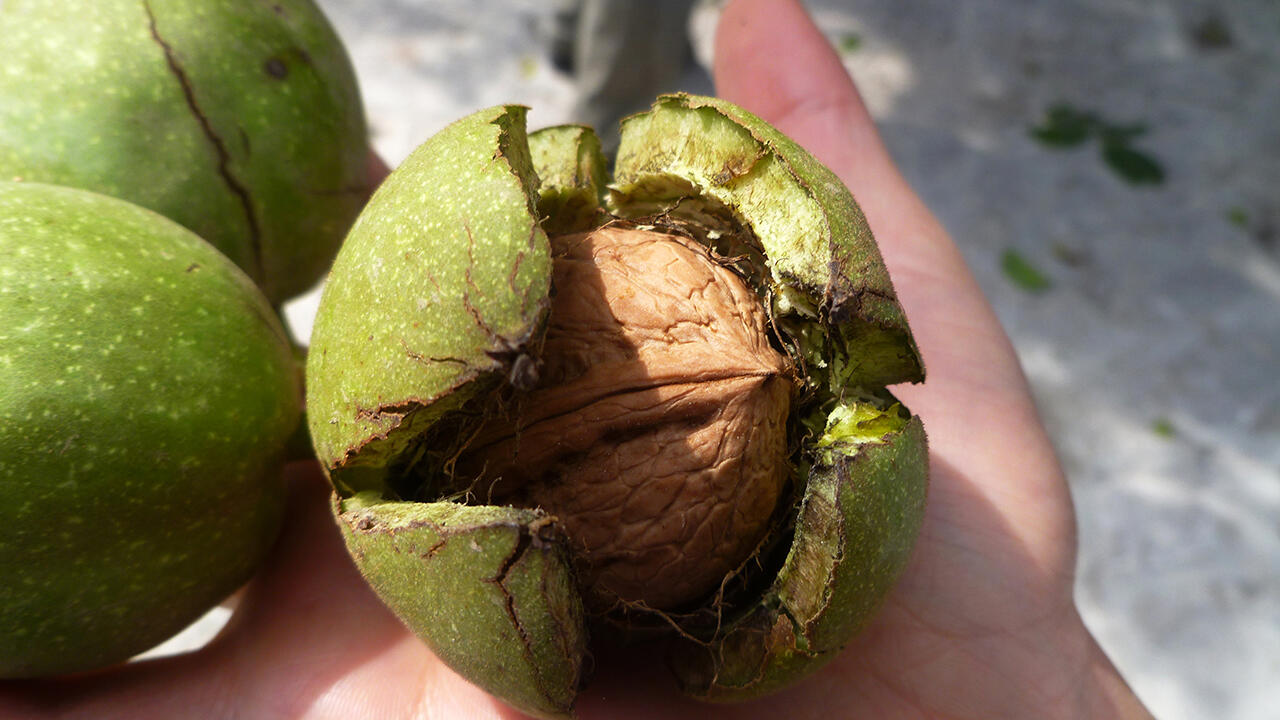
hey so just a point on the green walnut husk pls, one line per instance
(240, 120)
(147, 392)
(438, 305)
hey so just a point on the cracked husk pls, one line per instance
(675, 420)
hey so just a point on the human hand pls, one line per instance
(981, 624)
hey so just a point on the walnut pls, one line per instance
(548, 425)
(657, 434)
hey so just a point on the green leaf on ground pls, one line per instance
(1022, 273)
(1064, 126)
(1135, 166)
(1163, 428)
(1238, 216)
(849, 42)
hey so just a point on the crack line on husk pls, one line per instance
(220, 149)
(523, 542)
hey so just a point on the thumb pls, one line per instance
(771, 59)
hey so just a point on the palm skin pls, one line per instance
(981, 624)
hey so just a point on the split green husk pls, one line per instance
(433, 325)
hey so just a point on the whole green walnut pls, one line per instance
(657, 405)
(147, 392)
(240, 120)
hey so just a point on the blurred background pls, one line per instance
(1111, 170)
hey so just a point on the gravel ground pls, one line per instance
(1137, 270)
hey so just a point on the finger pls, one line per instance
(375, 170)
(772, 60)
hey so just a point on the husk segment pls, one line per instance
(488, 588)
(823, 264)
(572, 172)
(864, 460)
(863, 503)
(441, 285)
(443, 278)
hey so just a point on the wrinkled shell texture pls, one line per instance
(146, 393)
(240, 120)
(657, 435)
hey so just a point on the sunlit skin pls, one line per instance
(981, 625)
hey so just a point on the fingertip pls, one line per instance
(305, 481)
(310, 545)
(376, 170)
(774, 61)
(770, 58)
